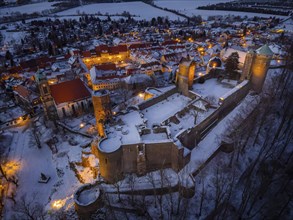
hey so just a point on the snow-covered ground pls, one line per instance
(12, 37)
(140, 9)
(166, 108)
(211, 88)
(186, 4)
(31, 161)
(30, 8)
(189, 8)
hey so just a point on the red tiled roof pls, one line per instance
(138, 45)
(45, 59)
(132, 71)
(15, 69)
(173, 47)
(38, 62)
(69, 91)
(113, 50)
(118, 49)
(86, 53)
(101, 48)
(67, 56)
(29, 64)
(168, 42)
(106, 66)
(76, 52)
(22, 91)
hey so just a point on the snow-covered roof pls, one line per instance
(137, 78)
(110, 144)
(265, 50)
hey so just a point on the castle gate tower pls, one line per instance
(185, 75)
(102, 109)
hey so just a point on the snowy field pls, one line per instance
(189, 8)
(140, 9)
(31, 8)
(186, 4)
(10, 38)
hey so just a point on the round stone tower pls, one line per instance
(260, 66)
(102, 109)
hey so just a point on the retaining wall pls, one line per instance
(156, 99)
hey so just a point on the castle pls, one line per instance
(161, 131)
(140, 141)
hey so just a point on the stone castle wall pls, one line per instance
(160, 155)
(189, 138)
(156, 99)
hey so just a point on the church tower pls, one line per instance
(185, 75)
(45, 95)
(260, 66)
(102, 109)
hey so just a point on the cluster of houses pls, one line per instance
(132, 61)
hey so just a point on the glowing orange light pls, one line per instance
(11, 168)
(58, 204)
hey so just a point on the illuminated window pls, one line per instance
(45, 89)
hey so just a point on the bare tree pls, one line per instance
(151, 180)
(131, 179)
(117, 184)
(27, 208)
(3, 172)
(194, 113)
(124, 96)
(220, 189)
(202, 194)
